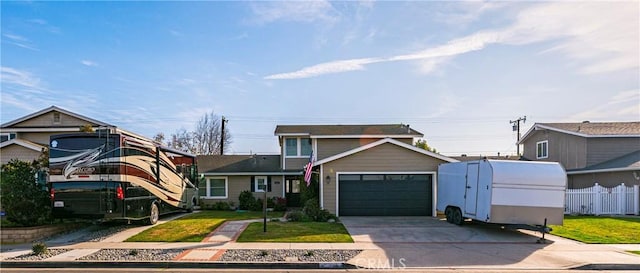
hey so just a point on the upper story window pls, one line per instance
(542, 149)
(298, 147)
(56, 118)
(7, 136)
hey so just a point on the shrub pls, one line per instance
(39, 248)
(313, 211)
(297, 216)
(271, 202)
(133, 252)
(257, 205)
(247, 201)
(24, 202)
(280, 204)
(220, 205)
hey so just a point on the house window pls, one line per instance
(7, 136)
(260, 184)
(298, 147)
(56, 118)
(216, 188)
(542, 149)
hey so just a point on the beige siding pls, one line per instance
(603, 149)
(238, 184)
(46, 120)
(384, 158)
(334, 146)
(568, 150)
(606, 179)
(17, 152)
(41, 138)
(296, 163)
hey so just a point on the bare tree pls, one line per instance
(159, 137)
(205, 139)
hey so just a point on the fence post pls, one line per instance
(636, 199)
(622, 200)
(596, 199)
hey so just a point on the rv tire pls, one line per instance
(456, 216)
(154, 214)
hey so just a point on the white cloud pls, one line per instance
(89, 63)
(19, 41)
(623, 106)
(297, 11)
(24, 79)
(603, 35)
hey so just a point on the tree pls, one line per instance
(422, 143)
(159, 137)
(204, 140)
(23, 200)
(87, 128)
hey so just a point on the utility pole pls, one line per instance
(516, 128)
(222, 136)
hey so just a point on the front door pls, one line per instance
(292, 191)
(471, 192)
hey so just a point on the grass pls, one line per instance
(296, 232)
(600, 229)
(194, 227)
(634, 252)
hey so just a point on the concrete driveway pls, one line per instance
(427, 242)
(427, 230)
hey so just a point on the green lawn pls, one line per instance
(194, 227)
(635, 252)
(296, 232)
(600, 229)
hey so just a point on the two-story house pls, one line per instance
(607, 153)
(361, 169)
(26, 137)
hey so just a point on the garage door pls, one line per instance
(385, 194)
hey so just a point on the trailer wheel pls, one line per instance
(447, 214)
(154, 214)
(456, 216)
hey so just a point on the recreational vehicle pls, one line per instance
(117, 175)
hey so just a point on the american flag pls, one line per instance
(307, 170)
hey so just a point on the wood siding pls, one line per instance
(603, 149)
(41, 138)
(605, 179)
(18, 152)
(568, 150)
(238, 184)
(46, 120)
(384, 158)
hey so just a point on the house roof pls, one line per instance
(57, 109)
(24, 143)
(240, 164)
(380, 142)
(628, 162)
(345, 131)
(589, 129)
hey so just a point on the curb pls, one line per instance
(176, 265)
(623, 267)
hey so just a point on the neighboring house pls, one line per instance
(361, 169)
(26, 137)
(607, 153)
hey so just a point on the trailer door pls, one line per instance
(471, 191)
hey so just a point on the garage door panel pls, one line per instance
(379, 195)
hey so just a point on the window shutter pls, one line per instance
(269, 183)
(253, 184)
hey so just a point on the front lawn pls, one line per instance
(600, 229)
(296, 232)
(194, 227)
(635, 252)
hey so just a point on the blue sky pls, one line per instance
(456, 71)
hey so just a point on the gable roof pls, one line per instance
(24, 143)
(628, 162)
(240, 165)
(380, 142)
(589, 129)
(51, 109)
(348, 131)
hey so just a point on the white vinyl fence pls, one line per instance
(600, 200)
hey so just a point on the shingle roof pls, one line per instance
(238, 163)
(588, 129)
(628, 161)
(598, 128)
(349, 130)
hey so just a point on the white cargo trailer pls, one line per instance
(502, 192)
